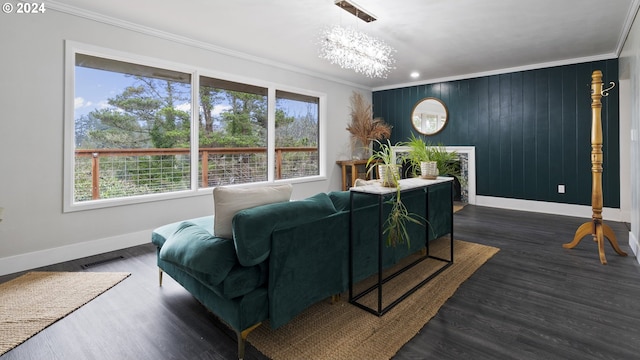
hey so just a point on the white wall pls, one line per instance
(630, 77)
(35, 231)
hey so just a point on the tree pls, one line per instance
(298, 130)
(209, 98)
(84, 125)
(143, 115)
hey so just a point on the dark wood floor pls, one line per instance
(533, 300)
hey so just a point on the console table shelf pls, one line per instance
(437, 202)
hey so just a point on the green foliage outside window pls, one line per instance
(154, 112)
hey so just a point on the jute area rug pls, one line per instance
(32, 302)
(343, 331)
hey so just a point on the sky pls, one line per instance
(94, 87)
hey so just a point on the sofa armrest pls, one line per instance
(308, 263)
(195, 250)
(162, 233)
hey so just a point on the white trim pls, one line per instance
(635, 246)
(471, 158)
(626, 27)
(36, 259)
(194, 146)
(471, 163)
(545, 65)
(76, 11)
(73, 47)
(271, 129)
(323, 137)
(583, 211)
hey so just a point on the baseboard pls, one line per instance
(22, 262)
(583, 211)
(36, 259)
(635, 246)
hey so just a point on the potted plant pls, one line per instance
(441, 162)
(383, 158)
(395, 227)
(421, 156)
(447, 162)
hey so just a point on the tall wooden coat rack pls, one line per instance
(596, 227)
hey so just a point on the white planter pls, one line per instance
(389, 174)
(428, 169)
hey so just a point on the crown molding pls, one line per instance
(628, 22)
(79, 12)
(502, 71)
(145, 30)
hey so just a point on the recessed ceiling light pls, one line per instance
(415, 74)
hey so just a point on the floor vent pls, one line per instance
(100, 262)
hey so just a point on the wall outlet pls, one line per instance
(560, 189)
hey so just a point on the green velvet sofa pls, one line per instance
(285, 256)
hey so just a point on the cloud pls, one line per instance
(80, 102)
(184, 107)
(218, 109)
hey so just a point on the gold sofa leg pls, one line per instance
(335, 298)
(160, 276)
(242, 339)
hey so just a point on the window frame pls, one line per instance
(72, 48)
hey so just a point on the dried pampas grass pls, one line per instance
(363, 127)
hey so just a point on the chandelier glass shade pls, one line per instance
(352, 49)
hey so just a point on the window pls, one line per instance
(135, 136)
(233, 132)
(296, 135)
(135, 139)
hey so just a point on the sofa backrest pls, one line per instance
(252, 227)
(342, 200)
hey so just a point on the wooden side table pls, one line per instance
(351, 170)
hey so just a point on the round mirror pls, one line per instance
(429, 116)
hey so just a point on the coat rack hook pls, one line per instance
(605, 92)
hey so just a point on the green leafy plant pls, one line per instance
(395, 226)
(447, 162)
(419, 152)
(384, 157)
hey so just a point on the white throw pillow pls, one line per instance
(228, 200)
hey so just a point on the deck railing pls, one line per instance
(110, 173)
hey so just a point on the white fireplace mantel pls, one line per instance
(470, 151)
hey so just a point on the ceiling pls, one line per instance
(441, 39)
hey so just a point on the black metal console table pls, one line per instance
(406, 185)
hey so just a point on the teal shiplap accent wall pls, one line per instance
(531, 130)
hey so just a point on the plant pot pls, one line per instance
(389, 174)
(360, 151)
(428, 169)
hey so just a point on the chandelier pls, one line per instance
(352, 49)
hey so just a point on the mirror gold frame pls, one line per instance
(429, 116)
